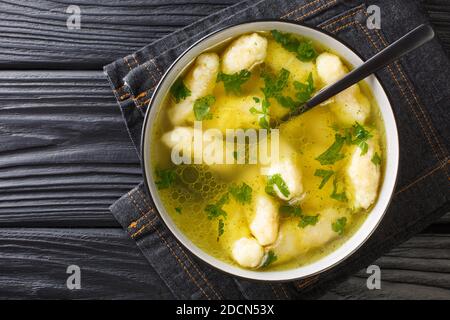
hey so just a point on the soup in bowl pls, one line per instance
(249, 193)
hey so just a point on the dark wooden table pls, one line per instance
(59, 173)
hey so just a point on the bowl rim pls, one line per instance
(145, 126)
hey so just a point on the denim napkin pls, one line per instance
(418, 84)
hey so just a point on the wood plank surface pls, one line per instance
(34, 262)
(65, 155)
(34, 33)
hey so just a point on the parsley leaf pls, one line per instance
(271, 258)
(179, 90)
(202, 106)
(166, 178)
(308, 220)
(277, 180)
(220, 229)
(242, 194)
(361, 137)
(178, 210)
(333, 153)
(291, 211)
(338, 196)
(304, 50)
(215, 210)
(264, 113)
(325, 174)
(274, 84)
(286, 102)
(233, 82)
(304, 90)
(339, 225)
(376, 159)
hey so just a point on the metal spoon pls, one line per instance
(410, 41)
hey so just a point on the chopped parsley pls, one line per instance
(220, 229)
(274, 84)
(304, 90)
(179, 90)
(296, 211)
(178, 210)
(166, 178)
(325, 175)
(361, 136)
(376, 159)
(263, 113)
(215, 210)
(233, 82)
(271, 258)
(202, 107)
(338, 196)
(291, 211)
(303, 50)
(242, 194)
(339, 225)
(308, 221)
(277, 180)
(333, 153)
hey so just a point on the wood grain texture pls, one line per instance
(417, 269)
(65, 155)
(34, 33)
(34, 262)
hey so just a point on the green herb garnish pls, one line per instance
(338, 196)
(291, 211)
(271, 258)
(333, 153)
(166, 178)
(264, 113)
(178, 210)
(339, 225)
(221, 229)
(179, 90)
(242, 194)
(304, 50)
(233, 82)
(325, 175)
(308, 221)
(215, 210)
(376, 159)
(274, 84)
(304, 90)
(361, 136)
(277, 180)
(202, 107)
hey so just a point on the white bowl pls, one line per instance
(390, 169)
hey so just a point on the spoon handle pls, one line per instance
(410, 41)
